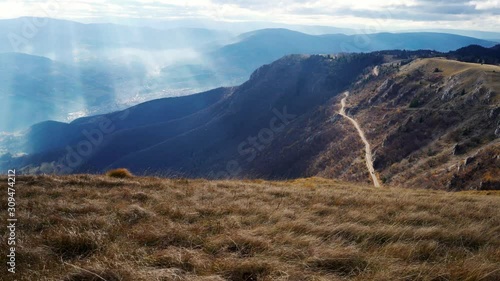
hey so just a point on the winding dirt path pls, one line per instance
(368, 150)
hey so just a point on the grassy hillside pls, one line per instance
(81, 227)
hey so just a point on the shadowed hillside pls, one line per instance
(203, 140)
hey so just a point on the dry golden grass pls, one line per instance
(85, 227)
(448, 67)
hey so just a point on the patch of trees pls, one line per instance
(477, 54)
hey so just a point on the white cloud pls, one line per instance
(485, 5)
(389, 14)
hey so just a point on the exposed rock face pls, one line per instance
(422, 123)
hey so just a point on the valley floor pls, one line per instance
(99, 228)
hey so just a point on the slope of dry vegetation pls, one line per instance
(100, 228)
(434, 129)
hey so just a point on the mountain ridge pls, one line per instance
(218, 139)
(256, 48)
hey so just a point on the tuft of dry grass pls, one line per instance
(74, 243)
(248, 270)
(342, 262)
(86, 227)
(120, 173)
(95, 275)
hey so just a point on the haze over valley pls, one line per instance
(67, 69)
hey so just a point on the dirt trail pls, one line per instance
(368, 150)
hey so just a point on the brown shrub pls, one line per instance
(120, 173)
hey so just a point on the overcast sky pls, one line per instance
(374, 14)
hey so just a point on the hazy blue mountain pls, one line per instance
(34, 89)
(109, 67)
(487, 35)
(51, 68)
(71, 41)
(264, 46)
(232, 27)
(248, 26)
(278, 42)
(441, 42)
(232, 64)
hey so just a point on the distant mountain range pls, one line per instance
(34, 89)
(233, 27)
(39, 89)
(237, 61)
(486, 35)
(72, 42)
(248, 26)
(427, 118)
(98, 68)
